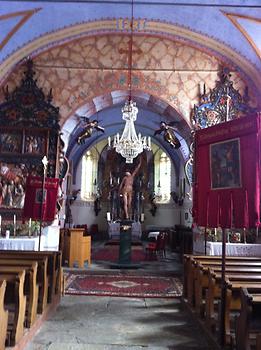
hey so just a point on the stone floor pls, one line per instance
(112, 323)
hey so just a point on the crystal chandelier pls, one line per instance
(129, 145)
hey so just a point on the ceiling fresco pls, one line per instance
(80, 50)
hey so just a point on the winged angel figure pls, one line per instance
(89, 126)
(169, 136)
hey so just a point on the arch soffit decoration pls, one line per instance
(145, 27)
(146, 127)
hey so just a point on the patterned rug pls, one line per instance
(122, 285)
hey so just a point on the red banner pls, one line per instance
(227, 174)
(40, 204)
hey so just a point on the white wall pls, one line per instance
(167, 215)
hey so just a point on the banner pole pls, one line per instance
(223, 289)
(45, 162)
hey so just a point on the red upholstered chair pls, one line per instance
(157, 248)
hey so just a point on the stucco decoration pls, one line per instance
(85, 68)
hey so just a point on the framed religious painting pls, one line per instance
(11, 141)
(35, 143)
(225, 164)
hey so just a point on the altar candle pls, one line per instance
(109, 141)
(142, 217)
(30, 226)
(14, 224)
(108, 216)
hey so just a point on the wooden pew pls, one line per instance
(31, 288)
(189, 270)
(214, 293)
(249, 320)
(42, 277)
(54, 267)
(201, 279)
(15, 302)
(233, 301)
(3, 315)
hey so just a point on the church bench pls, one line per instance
(54, 267)
(15, 303)
(214, 294)
(3, 315)
(31, 288)
(233, 302)
(248, 325)
(189, 270)
(42, 277)
(201, 280)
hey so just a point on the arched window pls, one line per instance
(89, 175)
(162, 187)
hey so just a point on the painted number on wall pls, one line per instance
(125, 24)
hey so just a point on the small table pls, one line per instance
(153, 234)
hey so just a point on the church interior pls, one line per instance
(130, 174)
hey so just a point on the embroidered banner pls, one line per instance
(40, 204)
(227, 174)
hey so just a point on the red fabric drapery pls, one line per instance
(227, 184)
(33, 198)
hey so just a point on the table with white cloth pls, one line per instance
(153, 234)
(234, 249)
(21, 243)
(114, 230)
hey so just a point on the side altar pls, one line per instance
(29, 133)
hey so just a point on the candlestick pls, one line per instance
(109, 141)
(108, 216)
(30, 226)
(14, 224)
(149, 142)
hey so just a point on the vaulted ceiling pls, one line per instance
(80, 50)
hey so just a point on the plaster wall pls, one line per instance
(167, 215)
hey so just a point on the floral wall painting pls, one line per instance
(225, 164)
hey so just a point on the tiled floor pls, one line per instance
(112, 323)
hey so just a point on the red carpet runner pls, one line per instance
(111, 253)
(122, 285)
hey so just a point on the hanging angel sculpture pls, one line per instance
(89, 126)
(168, 134)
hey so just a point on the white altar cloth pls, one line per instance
(234, 249)
(25, 243)
(114, 230)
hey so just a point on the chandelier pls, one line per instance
(129, 145)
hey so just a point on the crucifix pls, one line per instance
(130, 52)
